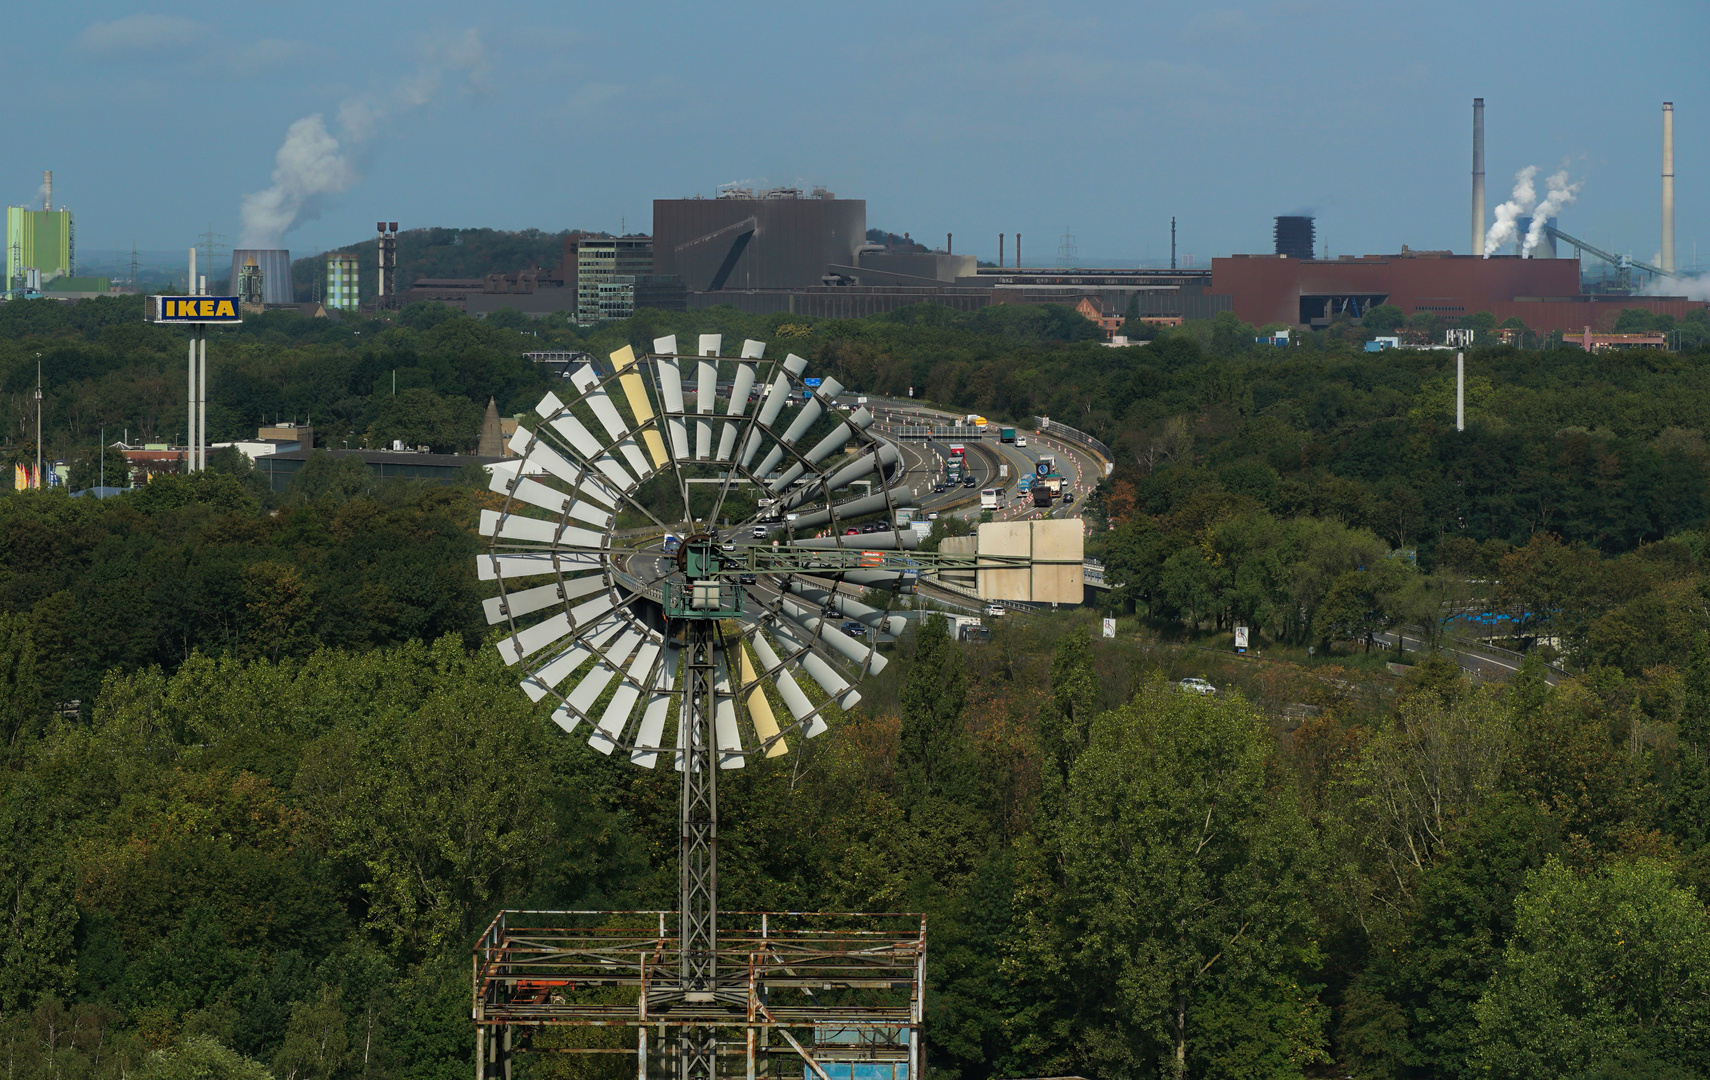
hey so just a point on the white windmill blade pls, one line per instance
(816, 625)
(506, 481)
(539, 457)
(492, 567)
(595, 397)
(706, 393)
(609, 661)
(772, 404)
(839, 437)
(871, 617)
(653, 716)
(886, 456)
(805, 713)
(545, 678)
(856, 507)
(737, 405)
(534, 530)
(514, 605)
(890, 540)
(609, 732)
(671, 392)
(817, 667)
(805, 419)
(726, 735)
(760, 709)
(530, 640)
(582, 440)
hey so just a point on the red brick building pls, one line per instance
(1543, 293)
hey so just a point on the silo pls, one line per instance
(275, 264)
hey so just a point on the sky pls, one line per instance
(1098, 119)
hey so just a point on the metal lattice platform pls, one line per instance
(839, 992)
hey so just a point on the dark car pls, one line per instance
(1069, 499)
(855, 629)
(938, 489)
(970, 482)
(745, 579)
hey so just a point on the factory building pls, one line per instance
(41, 240)
(274, 265)
(343, 282)
(777, 239)
(1542, 293)
(606, 271)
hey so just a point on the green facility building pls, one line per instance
(39, 238)
(343, 291)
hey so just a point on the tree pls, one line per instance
(1074, 697)
(37, 889)
(324, 476)
(420, 417)
(1383, 318)
(932, 745)
(1362, 603)
(1604, 965)
(199, 1057)
(1169, 906)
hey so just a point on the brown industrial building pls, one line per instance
(1542, 293)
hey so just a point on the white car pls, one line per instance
(1195, 685)
(932, 516)
(994, 610)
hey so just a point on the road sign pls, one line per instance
(813, 382)
(1110, 628)
(197, 310)
(1241, 638)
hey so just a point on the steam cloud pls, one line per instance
(313, 163)
(1561, 193)
(1506, 231)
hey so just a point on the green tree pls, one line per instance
(37, 891)
(199, 1057)
(1383, 318)
(1169, 906)
(324, 476)
(317, 1043)
(1074, 698)
(1604, 965)
(421, 417)
(933, 759)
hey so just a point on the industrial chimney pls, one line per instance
(1477, 177)
(47, 189)
(1668, 187)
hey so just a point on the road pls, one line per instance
(1485, 663)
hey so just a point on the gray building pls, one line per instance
(275, 265)
(606, 269)
(775, 239)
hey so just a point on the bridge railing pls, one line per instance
(1048, 426)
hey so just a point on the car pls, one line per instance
(728, 546)
(854, 629)
(932, 515)
(994, 610)
(851, 531)
(745, 579)
(938, 489)
(873, 527)
(1068, 498)
(1196, 685)
(970, 482)
(759, 532)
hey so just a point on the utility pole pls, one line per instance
(1460, 391)
(38, 421)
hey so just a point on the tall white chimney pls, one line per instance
(1668, 187)
(1477, 177)
(47, 187)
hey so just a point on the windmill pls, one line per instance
(661, 585)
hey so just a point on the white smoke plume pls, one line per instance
(1525, 196)
(1693, 288)
(313, 163)
(1561, 193)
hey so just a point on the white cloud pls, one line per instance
(140, 33)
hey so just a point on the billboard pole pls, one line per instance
(190, 380)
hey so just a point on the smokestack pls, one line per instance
(1477, 176)
(1018, 251)
(1668, 187)
(1172, 241)
(948, 250)
(47, 188)
(1000, 251)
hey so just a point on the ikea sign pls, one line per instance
(197, 309)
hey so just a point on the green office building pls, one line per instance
(38, 238)
(343, 284)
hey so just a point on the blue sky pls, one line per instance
(975, 119)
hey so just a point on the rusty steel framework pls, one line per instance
(813, 994)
